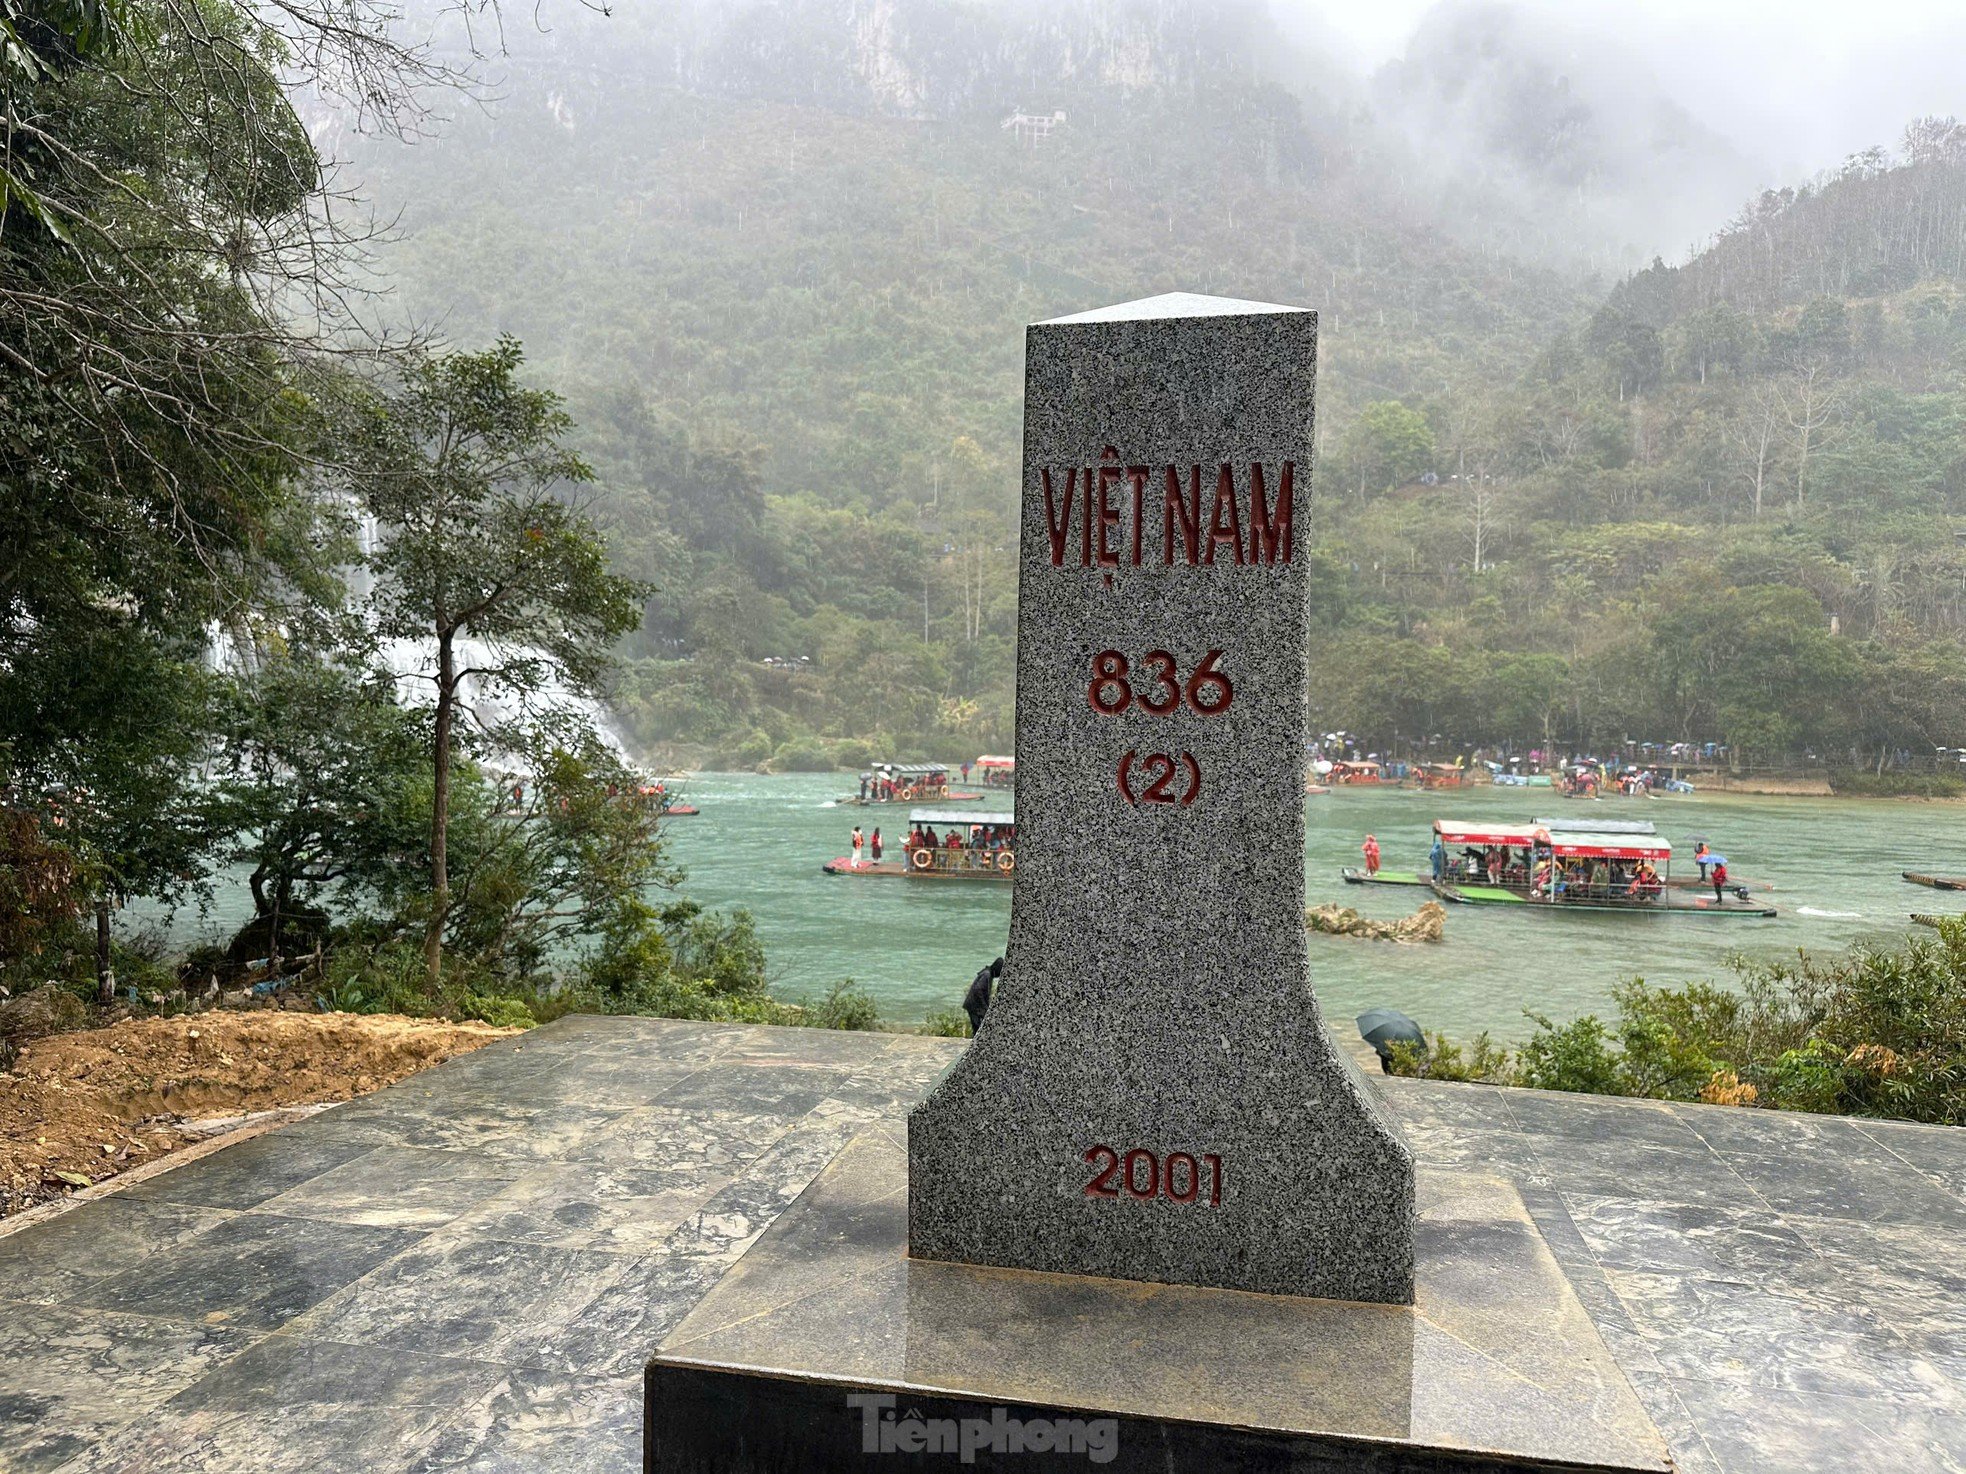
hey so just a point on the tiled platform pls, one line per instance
(467, 1271)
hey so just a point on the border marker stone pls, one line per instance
(1153, 1095)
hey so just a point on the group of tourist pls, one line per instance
(1599, 880)
(1538, 870)
(871, 844)
(977, 847)
(979, 842)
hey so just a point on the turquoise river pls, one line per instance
(1834, 865)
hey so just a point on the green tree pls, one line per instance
(1388, 445)
(482, 559)
(306, 790)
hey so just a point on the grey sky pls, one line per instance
(1797, 84)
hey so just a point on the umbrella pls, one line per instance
(1384, 1027)
(1714, 857)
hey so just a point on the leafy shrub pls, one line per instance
(752, 753)
(1872, 1032)
(1440, 1058)
(947, 1023)
(855, 753)
(387, 978)
(501, 1011)
(1573, 1056)
(802, 755)
(845, 1006)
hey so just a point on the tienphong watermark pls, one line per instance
(884, 1431)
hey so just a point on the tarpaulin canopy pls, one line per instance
(1455, 831)
(1607, 846)
(962, 818)
(1596, 826)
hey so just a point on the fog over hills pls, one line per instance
(779, 255)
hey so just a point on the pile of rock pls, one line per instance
(1423, 925)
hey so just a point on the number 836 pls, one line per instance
(1207, 691)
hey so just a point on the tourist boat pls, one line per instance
(1937, 882)
(996, 772)
(1693, 882)
(1438, 775)
(1347, 774)
(988, 851)
(1593, 870)
(674, 805)
(908, 783)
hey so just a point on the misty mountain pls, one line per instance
(1517, 119)
(779, 256)
(819, 222)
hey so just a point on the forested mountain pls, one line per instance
(779, 256)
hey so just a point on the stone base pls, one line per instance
(826, 1348)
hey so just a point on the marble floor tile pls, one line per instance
(288, 1369)
(1506, 1153)
(1752, 1430)
(1726, 1331)
(1660, 1397)
(254, 1270)
(784, 1090)
(665, 1137)
(247, 1173)
(69, 1375)
(1599, 1129)
(599, 1083)
(809, 1047)
(1820, 1181)
(1880, 1259)
(456, 1294)
(544, 1423)
(397, 1187)
(894, 1082)
(1759, 1132)
(1647, 1173)
(1940, 1154)
(1467, 1107)
(619, 1330)
(51, 1261)
(730, 1222)
(482, 1127)
(1554, 1221)
(669, 1039)
(590, 1205)
(304, 1439)
(1707, 1240)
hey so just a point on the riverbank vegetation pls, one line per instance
(287, 597)
(1877, 1031)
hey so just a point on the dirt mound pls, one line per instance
(78, 1108)
(1424, 925)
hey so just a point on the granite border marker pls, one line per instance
(1153, 1095)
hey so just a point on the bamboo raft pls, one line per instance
(1937, 882)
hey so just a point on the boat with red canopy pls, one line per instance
(1576, 869)
(993, 771)
(943, 844)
